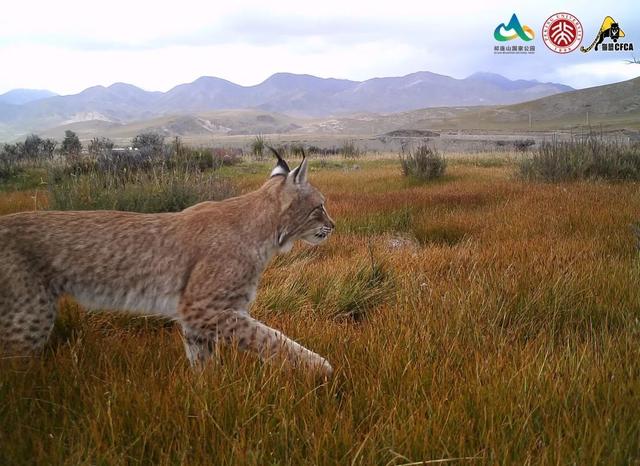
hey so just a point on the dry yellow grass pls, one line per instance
(498, 321)
(20, 201)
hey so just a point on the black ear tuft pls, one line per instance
(281, 167)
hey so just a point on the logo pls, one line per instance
(562, 33)
(510, 31)
(523, 32)
(610, 29)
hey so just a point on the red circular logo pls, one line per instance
(562, 33)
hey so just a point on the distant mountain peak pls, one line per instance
(121, 85)
(491, 77)
(23, 96)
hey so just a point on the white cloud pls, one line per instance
(595, 73)
(69, 45)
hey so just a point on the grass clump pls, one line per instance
(258, 146)
(423, 163)
(348, 293)
(590, 157)
(354, 295)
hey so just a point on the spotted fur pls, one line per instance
(200, 266)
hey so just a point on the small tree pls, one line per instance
(32, 146)
(71, 145)
(149, 144)
(100, 147)
(49, 147)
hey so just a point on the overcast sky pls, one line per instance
(69, 45)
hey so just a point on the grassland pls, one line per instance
(477, 319)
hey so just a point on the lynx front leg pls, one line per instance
(248, 334)
(199, 347)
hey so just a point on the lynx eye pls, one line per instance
(317, 209)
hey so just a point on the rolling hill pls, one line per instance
(610, 106)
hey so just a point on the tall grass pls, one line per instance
(516, 345)
(157, 190)
(590, 157)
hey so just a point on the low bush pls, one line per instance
(424, 163)
(522, 145)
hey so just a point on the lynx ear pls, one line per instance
(281, 167)
(299, 174)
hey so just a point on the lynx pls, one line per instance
(200, 266)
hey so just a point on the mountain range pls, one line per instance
(298, 95)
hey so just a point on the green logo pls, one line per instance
(516, 30)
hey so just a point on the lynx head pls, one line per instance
(303, 214)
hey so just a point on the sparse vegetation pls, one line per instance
(149, 177)
(590, 157)
(423, 163)
(158, 190)
(100, 147)
(16, 158)
(350, 150)
(506, 333)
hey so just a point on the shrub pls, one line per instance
(521, 145)
(33, 152)
(202, 158)
(226, 157)
(350, 150)
(8, 170)
(100, 147)
(32, 146)
(150, 144)
(588, 157)
(71, 146)
(424, 163)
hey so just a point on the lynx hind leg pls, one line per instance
(238, 328)
(27, 308)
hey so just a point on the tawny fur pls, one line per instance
(200, 266)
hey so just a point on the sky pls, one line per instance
(68, 45)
